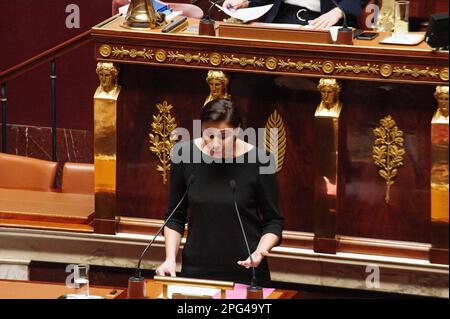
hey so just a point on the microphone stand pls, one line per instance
(253, 291)
(345, 34)
(136, 284)
(207, 25)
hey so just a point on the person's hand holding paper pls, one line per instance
(233, 5)
(245, 14)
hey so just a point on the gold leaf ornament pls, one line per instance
(161, 138)
(275, 138)
(388, 151)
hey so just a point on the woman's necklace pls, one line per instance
(210, 152)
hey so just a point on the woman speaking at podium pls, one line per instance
(320, 14)
(215, 246)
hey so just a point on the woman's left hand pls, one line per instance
(257, 256)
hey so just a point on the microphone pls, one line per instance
(136, 287)
(207, 25)
(213, 3)
(344, 16)
(345, 34)
(254, 291)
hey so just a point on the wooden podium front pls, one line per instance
(342, 179)
(13, 289)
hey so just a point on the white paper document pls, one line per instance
(247, 14)
(404, 39)
(190, 290)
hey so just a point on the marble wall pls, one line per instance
(32, 141)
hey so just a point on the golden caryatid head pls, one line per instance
(441, 96)
(218, 85)
(107, 73)
(329, 90)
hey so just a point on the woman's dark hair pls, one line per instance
(221, 110)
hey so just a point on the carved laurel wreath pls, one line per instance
(388, 151)
(161, 139)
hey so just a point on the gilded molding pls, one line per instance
(386, 70)
(215, 59)
(160, 55)
(133, 53)
(443, 74)
(105, 50)
(328, 67)
(272, 63)
(356, 68)
(299, 65)
(243, 62)
(188, 57)
(416, 72)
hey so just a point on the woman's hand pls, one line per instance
(257, 256)
(167, 267)
(233, 5)
(327, 20)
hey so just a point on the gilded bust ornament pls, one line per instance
(107, 73)
(441, 96)
(439, 174)
(329, 90)
(218, 85)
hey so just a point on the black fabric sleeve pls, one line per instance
(257, 3)
(353, 7)
(177, 187)
(268, 197)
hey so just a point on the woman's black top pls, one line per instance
(214, 241)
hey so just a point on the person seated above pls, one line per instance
(319, 14)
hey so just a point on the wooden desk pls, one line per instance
(12, 289)
(155, 289)
(34, 208)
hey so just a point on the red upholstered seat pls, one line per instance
(78, 178)
(26, 173)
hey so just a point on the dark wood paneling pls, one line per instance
(363, 211)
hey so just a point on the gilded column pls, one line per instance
(105, 147)
(439, 179)
(326, 126)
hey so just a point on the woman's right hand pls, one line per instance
(167, 267)
(233, 5)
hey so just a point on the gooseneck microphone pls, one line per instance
(345, 34)
(136, 288)
(254, 290)
(344, 15)
(213, 4)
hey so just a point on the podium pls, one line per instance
(333, 183)
(223, 286)
(158, 288)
